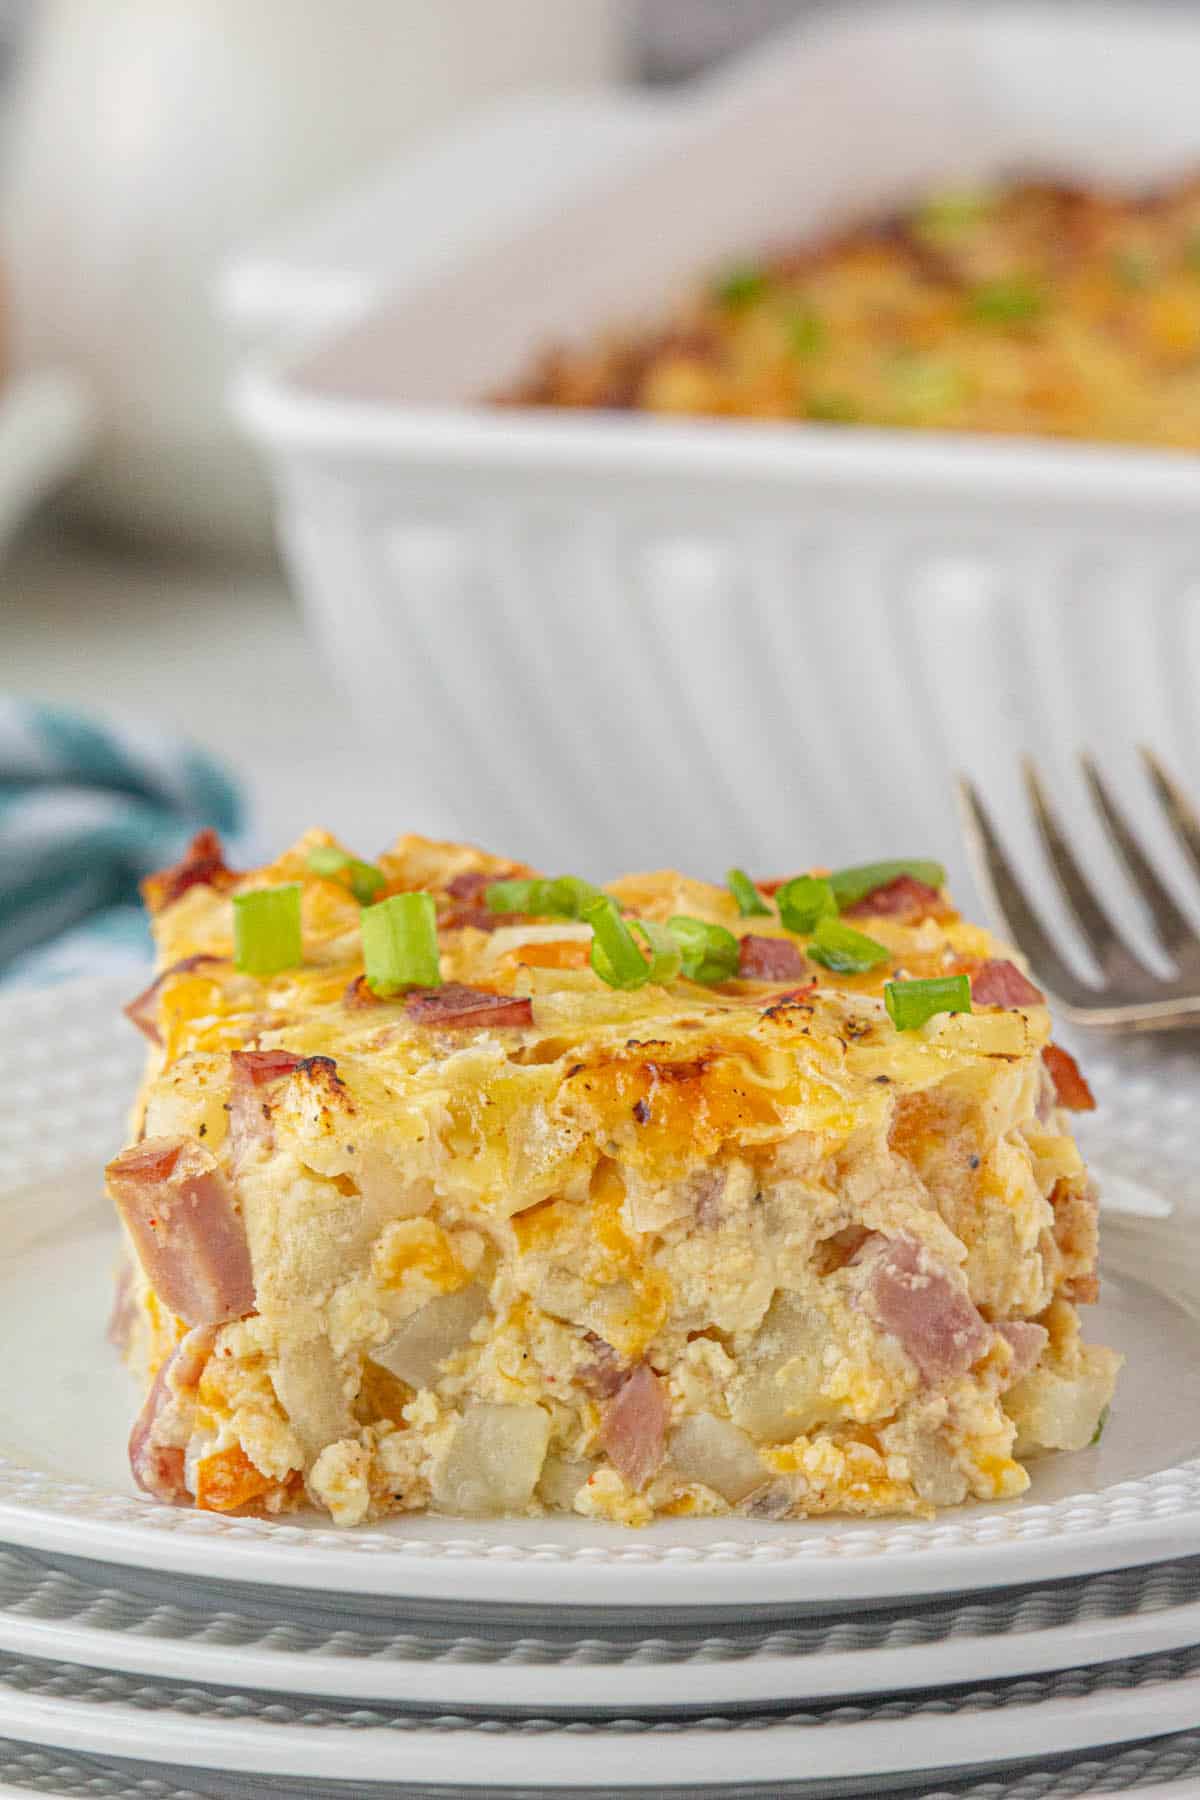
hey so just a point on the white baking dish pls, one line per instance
(605, 641)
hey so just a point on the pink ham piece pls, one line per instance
(633, 1428)
(471, 885)
(1026, 1341)
(158, 1466)
(1000, 983)
(185, 1227)
(454, 1006)
(606, 1374)
(768, 959)
(903, 898)
(915, 1298)
(1070, 1083)
(123, 1316)
(202, 864)
(143, 1007)
(253, 1071)
(480, 918)
(469, 891)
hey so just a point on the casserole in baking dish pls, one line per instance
(1030, 307)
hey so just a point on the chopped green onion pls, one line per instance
(365, 879)
(518, 896)
(1101, 1422)
(1133, 268)
(617, 956)
(1009, 300)
(266, 930)
(954, 210)
(541, 898)
(710, 953)
(400, 944)
(804, 901)
(666, 958)
(912, 1004)
(806, 332)
(846, 952)
(750, 902)
(740, 287)
(922, 385)
(833, 409)
(854, 884)
(570, 894)
(327, 859)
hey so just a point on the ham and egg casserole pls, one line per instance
(1024, 308)
(454, 1187)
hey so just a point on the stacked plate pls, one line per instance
(1043, 1648)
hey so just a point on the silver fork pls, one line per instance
(1130, 996)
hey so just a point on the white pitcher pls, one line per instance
(150, 138)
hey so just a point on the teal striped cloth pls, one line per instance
(87, 807)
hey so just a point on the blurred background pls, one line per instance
(264, 265)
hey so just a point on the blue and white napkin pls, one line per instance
(88, 806)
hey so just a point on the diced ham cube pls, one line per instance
(916, 1299)
(454, 1006)
(633, 1430)
(472, 884)
(999, 982)
(769, 959)
(903, 898)
(185, 1227)
(203, 862)
(468, 892)
(605, 1374)
(123, 1316)
(1068, 1078)
(252, 1072)
(1026, 1341)
(479, 918)
(157, 1464)
(256, 1067)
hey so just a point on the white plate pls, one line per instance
(64, 1486)
(82, 1711)
(88, 1614)
(1171, 1764)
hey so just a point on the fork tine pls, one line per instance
(1181, 815)
(1003, 891)
(1113, 956)
(1175, 931)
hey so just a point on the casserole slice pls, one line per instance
(455, 1187)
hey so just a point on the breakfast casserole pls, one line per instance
(1028, 307)
(459, 1188)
